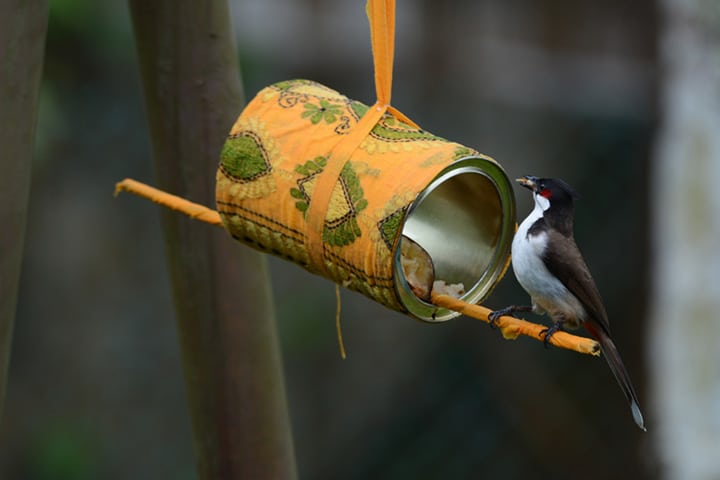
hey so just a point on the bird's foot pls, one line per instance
(550, 331)
(507, 311)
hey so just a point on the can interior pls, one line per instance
(465, 220)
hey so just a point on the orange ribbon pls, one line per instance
(381, 15)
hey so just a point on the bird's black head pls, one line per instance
(555, 198)
(555, 190)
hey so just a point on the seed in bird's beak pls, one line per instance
(527, 182)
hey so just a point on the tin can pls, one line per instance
(465, 220)
(401, 180)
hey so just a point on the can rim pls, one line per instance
(491, 170)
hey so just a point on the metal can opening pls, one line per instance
(465, 220)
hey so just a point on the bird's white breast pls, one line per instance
(547, 292)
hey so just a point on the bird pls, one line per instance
(550, 268)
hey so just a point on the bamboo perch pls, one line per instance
(173, 202)
(510, 327)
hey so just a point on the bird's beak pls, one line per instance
(528, 181)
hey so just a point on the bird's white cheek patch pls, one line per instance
(541, 201)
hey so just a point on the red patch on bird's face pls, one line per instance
(545, 192)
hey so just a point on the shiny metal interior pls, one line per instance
(465, 219)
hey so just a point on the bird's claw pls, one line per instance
(492, 319)
(493, 316)
(506, 312)
(547, 333)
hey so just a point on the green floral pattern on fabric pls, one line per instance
(341, 226)
(308, 169)
(359, 109)
(345, 230)
(462, 152)
(244, 158)
(324, 111)
(390, 129)
(390, 225)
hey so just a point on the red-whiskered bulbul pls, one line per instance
(548, 265)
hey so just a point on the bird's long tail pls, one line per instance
(617, 367)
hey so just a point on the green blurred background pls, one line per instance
(551, 87)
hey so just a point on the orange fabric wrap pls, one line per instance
(276, 158)
(319, 179)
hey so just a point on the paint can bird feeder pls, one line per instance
(342, 188)
(400, 181)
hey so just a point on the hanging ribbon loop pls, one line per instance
(381, 15)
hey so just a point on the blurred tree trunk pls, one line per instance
(222, 292)
(23, 25)
(685, 329)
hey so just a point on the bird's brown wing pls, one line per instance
(567, 264)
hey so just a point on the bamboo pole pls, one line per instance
(23, 25)
(222, 294)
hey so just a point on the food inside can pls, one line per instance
(419, 272)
